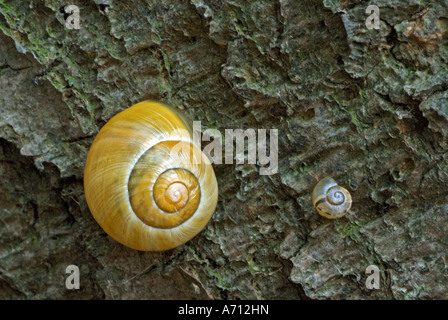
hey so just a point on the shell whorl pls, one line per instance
(146, 183)
(330, 200)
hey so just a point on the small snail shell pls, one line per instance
(330, 200)
(147, 185)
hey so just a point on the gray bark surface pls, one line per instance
(367, 107)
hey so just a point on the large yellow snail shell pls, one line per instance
(147, 185)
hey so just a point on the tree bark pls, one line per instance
(368, 107)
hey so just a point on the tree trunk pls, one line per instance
(368, 107)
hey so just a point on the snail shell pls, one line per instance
(147, 185)
(330, 200)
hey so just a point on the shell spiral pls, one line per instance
(330, 200)
(146, 183)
